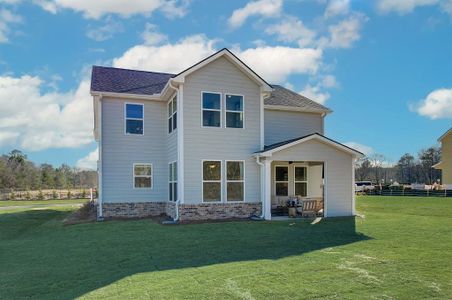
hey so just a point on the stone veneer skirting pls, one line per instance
(187, 212)
(218, 211)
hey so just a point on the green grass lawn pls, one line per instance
(40, 202)
(401, 248)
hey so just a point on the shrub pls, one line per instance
(83, 194)
(54, 194)
(27, 195)
(40, 195)
(69, 194)
(12, 195)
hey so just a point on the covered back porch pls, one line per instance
(312, 174)
(297, 188)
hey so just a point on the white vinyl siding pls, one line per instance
(120, 151)
(285, 125)
(220, 143)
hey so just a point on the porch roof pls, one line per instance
(270, 149)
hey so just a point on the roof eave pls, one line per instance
(300, 109)
(355, 153)
(127, 95)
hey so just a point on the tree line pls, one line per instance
(19, 173)
(408, 169)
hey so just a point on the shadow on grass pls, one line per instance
(42, 258)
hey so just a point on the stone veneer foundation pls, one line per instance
(187, 212)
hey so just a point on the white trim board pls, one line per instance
(315, 136)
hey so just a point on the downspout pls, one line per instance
(262, 216)
(100, 216)
(176, 204)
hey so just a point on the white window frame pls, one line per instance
(211, 109)
(172, 164)
(151, 176)
(170, 103)
(288, 179)
(220, 181)
(234, 111)
(227, 180)
(125, 118)
(295, 181)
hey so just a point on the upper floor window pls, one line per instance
(211, 109)
(134, 118)
(234, 111)
(142, 176)
(172, 114)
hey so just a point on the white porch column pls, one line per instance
(267, 189)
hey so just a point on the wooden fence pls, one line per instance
(49, 194)
(409, 192)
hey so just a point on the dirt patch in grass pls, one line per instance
(87, 213)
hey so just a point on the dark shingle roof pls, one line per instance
(285, 97)
(279, 144)
(115, 80)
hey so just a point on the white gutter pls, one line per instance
(179, 195)
(100, 216)
(126, 95)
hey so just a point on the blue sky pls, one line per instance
(382, 66)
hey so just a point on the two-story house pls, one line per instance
(445, 165)
(215, 141)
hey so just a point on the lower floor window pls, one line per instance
(281, 181)
(300, 181)
(235, 181)
(142, 175)
(211, 181)
(172, 179)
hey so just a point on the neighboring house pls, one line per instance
(445, 165)
(215, 141)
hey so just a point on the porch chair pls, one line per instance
(309, 208)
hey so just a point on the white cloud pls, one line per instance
(275, 64)
(437, 105)
(8, 138)
(106, 31)
(36, 120)
(345, 33)
(366, 150)
(264, 8)
(314, 93)
(176, 57)
(89, 162)
(337, 7)
(6, 19)
(151, 36)
(97, 8)
(171, 58)
(290, 30)
(403, 6)
(329, 81)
